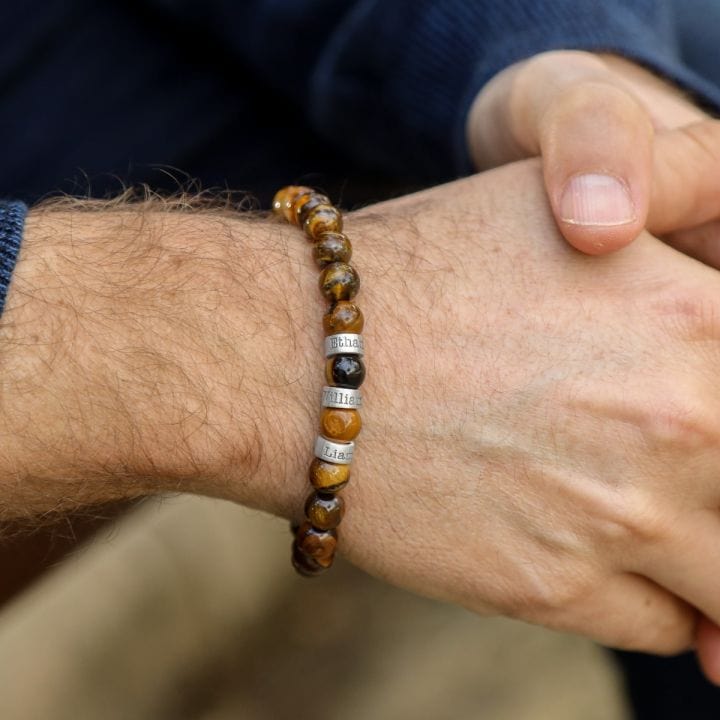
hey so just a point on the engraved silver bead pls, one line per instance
(346, 398)
(334, 452)
(344, 344)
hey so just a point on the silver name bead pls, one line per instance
(346, 398)
(344, 344)
(334, 452)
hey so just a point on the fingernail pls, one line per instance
(595, 199)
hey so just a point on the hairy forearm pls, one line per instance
(145, 350)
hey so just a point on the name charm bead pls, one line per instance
(345, 398)
(334, 452)
(345, 344)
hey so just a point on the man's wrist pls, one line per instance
(145, 350)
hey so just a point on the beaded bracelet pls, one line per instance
(313, 549)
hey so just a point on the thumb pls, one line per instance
(595, 137)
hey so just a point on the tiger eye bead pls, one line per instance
(305, 565)
(328, 477)
(340, 424)
(346, 371)
(305, 204)
(343, 317)
(296, 201)
(318, 544)
(325, 511)
(339, 281)
(322, 219)
(332, 247)
(280, 198)
(284, 199)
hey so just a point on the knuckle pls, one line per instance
(691, 315)
(668, 634)
(541, 71)
(636, 637)
(634, 519)
(703, 136)
(549, 63)
(542, 600)
(601, 99)
(673, 419)
(674, 403)
(633, 636)
(682, 424)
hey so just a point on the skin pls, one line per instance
(589, 113)
(541, 428)
(598, 114)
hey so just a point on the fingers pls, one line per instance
(686, 178)
(657, 621)
(667, 104)
(701, 243)
(595, 137)
(631, 613)
(687, 564)
(606, 173)
(707, 644)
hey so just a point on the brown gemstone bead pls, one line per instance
(322, 219)
(332, 247)
(298, 200)
(328, 477)
(339, 281)
(340, 424)
(347, 371)
(325, 511)
(318, 544)
(305, 565)
(305, 204)
(325, 563)
(343, 317)
(284, 199)
(280, 198)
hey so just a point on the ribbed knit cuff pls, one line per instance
(12, 222)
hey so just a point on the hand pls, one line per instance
(542, 430)
(622, 149)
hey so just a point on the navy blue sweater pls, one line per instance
(257, 93)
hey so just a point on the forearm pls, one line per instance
(143, 350)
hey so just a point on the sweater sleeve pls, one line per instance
(12, 222)
(393, 80)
